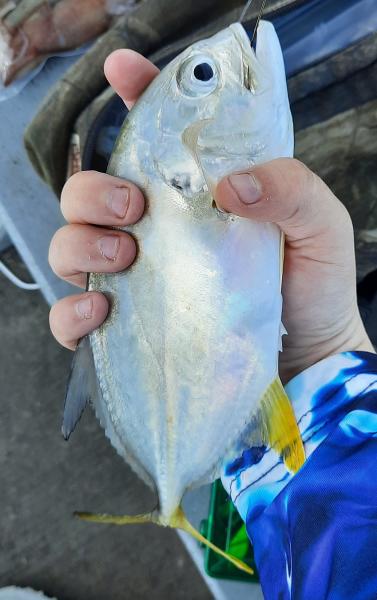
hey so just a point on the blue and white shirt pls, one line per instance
(315, 532)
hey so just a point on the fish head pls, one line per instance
(218, 107)
(250, 119)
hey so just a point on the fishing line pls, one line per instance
(258, 19)
(260, 14)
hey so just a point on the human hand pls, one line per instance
(320, 309)
(319, 284)
(92, 202)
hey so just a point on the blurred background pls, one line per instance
(57, 116)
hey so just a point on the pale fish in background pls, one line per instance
(32, 30)
(187, 362)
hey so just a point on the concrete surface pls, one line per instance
(28, 208)
(43, 480)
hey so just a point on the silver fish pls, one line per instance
(187, 362)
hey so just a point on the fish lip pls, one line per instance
(243, 40)
(248, 55)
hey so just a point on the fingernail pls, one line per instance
(84, 308)
(118, 201)
(247, 187)
(109, 246)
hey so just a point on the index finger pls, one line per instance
(129, 73)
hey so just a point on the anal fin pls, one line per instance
(81, 386)
(278, 426)
(177, 520)
(117, 519)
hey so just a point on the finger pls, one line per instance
(285, 192)
(129, 73)
(75, 316)
(79, 249)
(92, 197)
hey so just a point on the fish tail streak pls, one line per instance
(279, 426)
(117, 519)
(180, 521)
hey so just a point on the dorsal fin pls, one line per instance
(81, 387)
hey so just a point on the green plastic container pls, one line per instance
(225, 528)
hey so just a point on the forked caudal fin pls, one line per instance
(279, 427)
(178, 520)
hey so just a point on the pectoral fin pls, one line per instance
(279, 427)
(190, 138)
(81, 387)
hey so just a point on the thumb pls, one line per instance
(286, 192)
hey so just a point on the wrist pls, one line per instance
(352, 338)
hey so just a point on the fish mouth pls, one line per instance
(242, 38)
(248, 54)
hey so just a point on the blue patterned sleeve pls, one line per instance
(315, 533)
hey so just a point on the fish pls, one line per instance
(185, 368)
(32, 30)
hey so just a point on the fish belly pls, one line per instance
(191, 343)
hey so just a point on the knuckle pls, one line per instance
(290, 177)
(100, 308)
(309, 187)
(306, 179)
(57, 250)
(52, 249)
(77, 180)
(69, 188)
(298, 164)
(54, 320)
(56, 238)
(62, 324)
(72, 190)
(344, 217)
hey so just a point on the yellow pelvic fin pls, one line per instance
(178, 520)
(279, 426)
(117, 520)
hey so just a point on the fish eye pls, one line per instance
(203, 72)
(198, 76)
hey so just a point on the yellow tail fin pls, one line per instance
(279, 426)
(177, 521)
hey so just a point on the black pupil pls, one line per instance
(203, 72)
